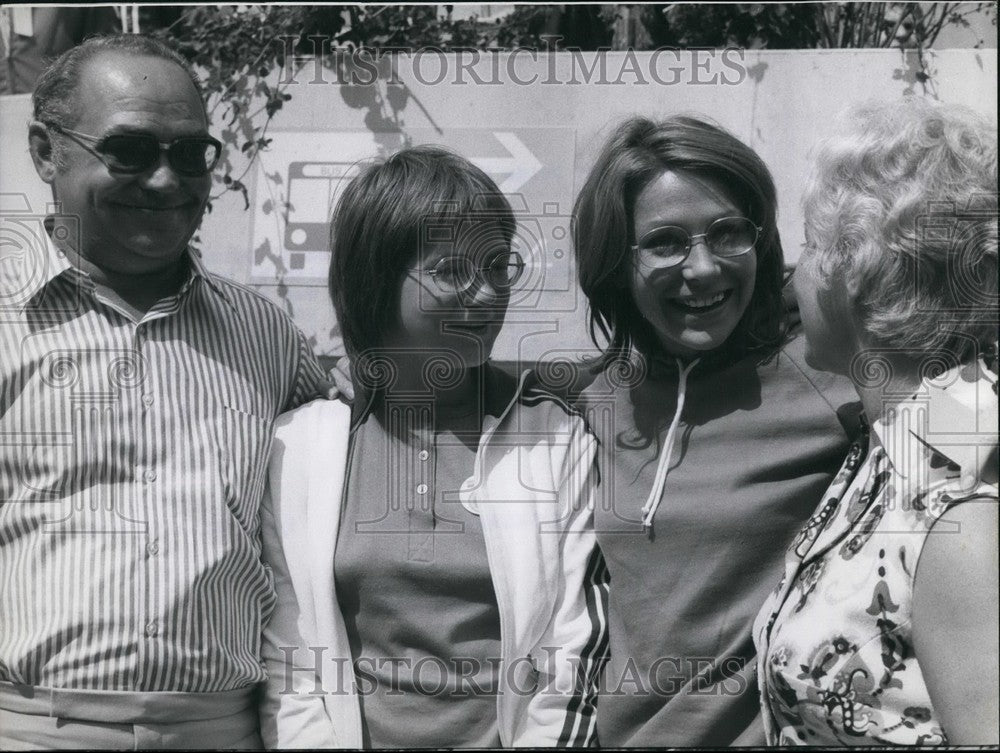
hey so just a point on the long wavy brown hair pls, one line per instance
(636, 153)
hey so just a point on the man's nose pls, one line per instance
(161, 176)
(701, 262)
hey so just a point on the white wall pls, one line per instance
(548, 131)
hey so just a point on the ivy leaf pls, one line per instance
(262, 252)
(272, 106)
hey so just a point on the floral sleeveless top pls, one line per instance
(836, 662)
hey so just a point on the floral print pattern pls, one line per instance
(836, 662)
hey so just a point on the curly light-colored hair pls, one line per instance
(904, 200)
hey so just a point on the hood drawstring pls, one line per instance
(653, 501)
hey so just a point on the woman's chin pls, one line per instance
(693, 344)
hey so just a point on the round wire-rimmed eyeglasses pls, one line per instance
(459, 274)
(670, 245)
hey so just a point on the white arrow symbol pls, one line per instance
(519, 168)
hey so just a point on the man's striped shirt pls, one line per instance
(132, 463)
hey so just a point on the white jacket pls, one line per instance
(532, 486)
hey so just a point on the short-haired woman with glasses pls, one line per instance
(716, 439)
(437, 585)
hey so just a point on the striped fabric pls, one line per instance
(580, 724)
(132, 461)
(580, 729)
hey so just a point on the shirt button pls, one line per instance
(147, 400)
(151, 629)
(149, 476)
(421, 488)
(423, 455)
(153, 548)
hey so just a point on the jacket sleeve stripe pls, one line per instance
(579, 729)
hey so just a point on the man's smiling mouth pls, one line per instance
(152, 208)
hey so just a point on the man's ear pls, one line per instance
(40, 146)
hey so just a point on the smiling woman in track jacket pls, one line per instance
(437, 582)
(717, 440)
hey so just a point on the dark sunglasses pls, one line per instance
(133, 153)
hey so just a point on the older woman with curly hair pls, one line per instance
(879, 632)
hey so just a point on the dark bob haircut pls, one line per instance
(380, 222)
(636, 153)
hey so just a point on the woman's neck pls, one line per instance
(458, 392)
(882, 380)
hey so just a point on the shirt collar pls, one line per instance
(42, 262)
(198, 270)
(946, 429)
(366, 401)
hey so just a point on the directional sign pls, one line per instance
(301, 176)
(519, 167)
(297, 183)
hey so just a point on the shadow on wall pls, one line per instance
(383, 105)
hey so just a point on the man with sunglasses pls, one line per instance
(137, 395)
